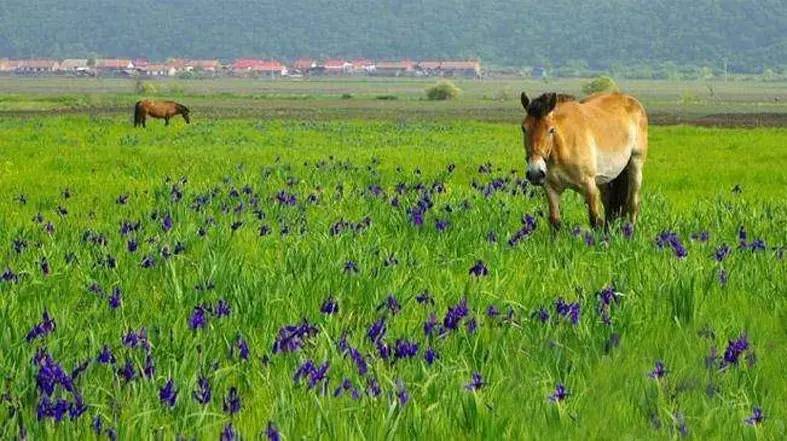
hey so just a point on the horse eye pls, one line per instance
(551, 130)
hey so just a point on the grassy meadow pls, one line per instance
(380, 278)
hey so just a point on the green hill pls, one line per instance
(598, 34)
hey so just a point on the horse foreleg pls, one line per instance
(553, 198)
(593, 200)
(633, 198)
(166, 121)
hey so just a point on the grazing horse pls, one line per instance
(596, 147)
(158, 109)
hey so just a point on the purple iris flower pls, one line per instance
(492, 311)
(106, 356)
(359, 360)
(97, 424)
(560, 394)
(571, 311)
(132, 245)
(628, 230)
(243, 348)
(43, 328)
(167, 223)
(376, 330)
(735, 349)
(479, 269)
(232, 402)
(198, 318)
(401, 393)
(168, 394)
(424, 298)
(9, 276)
(350, 267)
(430, 324)
(134, 339)
(127, 371)
(722, 252)
(724, 277)
(330, 306)
(442, 225)
(455, 315)
(272, 432)
(116, 299)
(430, 356)
(149, 369)
(476, 383)
(529, 226)
(669, 238)
(291, 338)
(373, 388)
(659, 371)
(756, 418)
(405, 349)
(472, 325)
(541, 314)
(222, 309)
(701, 236)
(202, 393)
(44, 265)
(284, 198)
(147, 262)
(228, 433)
(391, 303)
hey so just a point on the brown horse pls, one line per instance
(596, 147)
(158, 109)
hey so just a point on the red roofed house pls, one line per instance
(264, 67)
(451, 68)
(395, 68)
(112, 65)
(36, 66)
(363, 65)
(156, 70)
(336, 67)
(304, 65)
(203, 65)
(7, 65)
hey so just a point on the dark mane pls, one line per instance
(544, 104)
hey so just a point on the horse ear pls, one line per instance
(551, 102)
(525, 100)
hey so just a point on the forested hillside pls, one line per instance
(599, 33)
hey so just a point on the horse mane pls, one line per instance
(182, 108)
(541, 106)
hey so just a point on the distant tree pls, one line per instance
(444, 90)
(603, 83)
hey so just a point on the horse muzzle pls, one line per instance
(536, 172)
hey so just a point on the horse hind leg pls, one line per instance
(633, 198)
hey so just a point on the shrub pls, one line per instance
(347, 96)
(444, 90)
(145, 88)
(601, 83)
(387, 97)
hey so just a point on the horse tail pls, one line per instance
(138, 113)
(617, 195)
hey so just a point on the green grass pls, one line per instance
(672, 309)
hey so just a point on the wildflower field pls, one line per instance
(253, 279)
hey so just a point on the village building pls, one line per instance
(363, 66)
(36, 66)
(337, 67)
(394, 68)
(250, 66)
(470, 69)
(304, 66)
(114, 66)
(74, 65)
